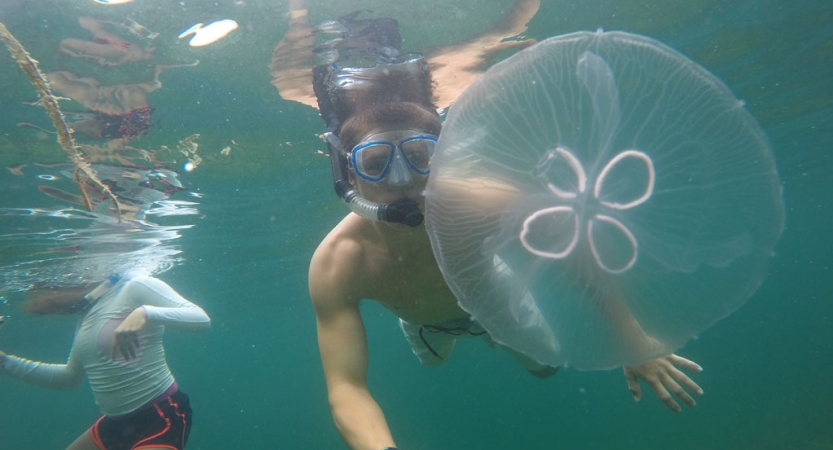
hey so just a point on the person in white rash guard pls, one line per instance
(118, 348)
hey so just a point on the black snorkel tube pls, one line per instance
(404, 211)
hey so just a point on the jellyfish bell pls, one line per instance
(598, 199)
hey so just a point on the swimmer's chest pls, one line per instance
(416, 291)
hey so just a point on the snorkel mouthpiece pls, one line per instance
(403, 211)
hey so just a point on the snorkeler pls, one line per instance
(106, 48)
(382, 127)
(118, 348)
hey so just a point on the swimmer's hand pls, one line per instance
(662, 375)
(126, 336)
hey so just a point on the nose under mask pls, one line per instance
(400, 172)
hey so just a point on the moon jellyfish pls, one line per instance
(599, 199)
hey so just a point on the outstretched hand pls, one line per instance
(663, 375)
(126, 336)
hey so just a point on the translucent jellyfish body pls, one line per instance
(599, 199)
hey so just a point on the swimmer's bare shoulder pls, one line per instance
(338, 269)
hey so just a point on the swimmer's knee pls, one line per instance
(431, 362)
(543, 372)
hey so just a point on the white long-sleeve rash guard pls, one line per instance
(120, 386)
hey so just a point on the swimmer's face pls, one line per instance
(400, 184)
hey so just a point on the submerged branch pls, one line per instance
(50, 102)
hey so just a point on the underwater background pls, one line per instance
(255, 379)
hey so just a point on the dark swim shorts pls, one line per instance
(164, 424)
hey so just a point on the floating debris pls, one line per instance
(209, 34)
(226, 151)
(112, 2)
(16, 169)
(188, 147)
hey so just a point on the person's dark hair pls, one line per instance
(403, 114)
(43, 301)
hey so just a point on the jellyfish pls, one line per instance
(599, 199)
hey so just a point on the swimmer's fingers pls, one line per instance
(125, 344)
(663, 395)
(678, 378)
(633, 385)
(662, 376)
(684, 363)
(126, 336)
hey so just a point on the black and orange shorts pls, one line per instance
(164, 424)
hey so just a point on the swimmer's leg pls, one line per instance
(535, 368)
(84, 442)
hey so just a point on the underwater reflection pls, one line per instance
(64, 247)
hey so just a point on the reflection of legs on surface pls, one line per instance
(107, 48)
(134, 28)
(111, 99)
(133, 96)
(154, 84)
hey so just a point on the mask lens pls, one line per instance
(372, 159)
(419, 151)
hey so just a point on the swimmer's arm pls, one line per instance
(661, 373)
(163, 305)
(53, 376)
(343, 346)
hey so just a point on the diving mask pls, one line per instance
(394, 154)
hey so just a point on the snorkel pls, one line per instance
(364, 69)
(93, 296)
(403, 211)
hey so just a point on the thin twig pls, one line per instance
(50, 102)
